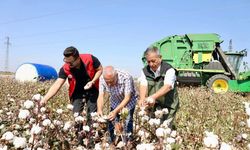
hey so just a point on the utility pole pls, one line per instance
(7, 54)
(230, 48)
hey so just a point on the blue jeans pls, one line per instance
(128, 126)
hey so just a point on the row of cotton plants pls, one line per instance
(212, 141)
(26, 125)
(204, 121)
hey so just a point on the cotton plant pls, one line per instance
(211, 140)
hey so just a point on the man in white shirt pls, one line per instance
(158, 84)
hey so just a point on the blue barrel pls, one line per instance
(35, 72)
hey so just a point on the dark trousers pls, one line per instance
(78, 106)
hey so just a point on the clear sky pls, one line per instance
(115, 31)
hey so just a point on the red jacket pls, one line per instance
(88, 62)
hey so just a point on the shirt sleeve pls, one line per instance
(102, 87)
(96, 62)
(62, 74)
(170, 77)
(142, 79)
(129, 85)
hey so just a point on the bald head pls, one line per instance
(109, 72)
(109, 75)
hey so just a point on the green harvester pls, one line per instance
(199, 59)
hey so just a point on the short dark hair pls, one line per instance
(71, 51)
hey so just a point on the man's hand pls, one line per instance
(99, 113)
(89, 85)
(141, 102)
(43, 102)
(150, 101)
(112, 115)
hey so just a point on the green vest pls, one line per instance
(170, 100)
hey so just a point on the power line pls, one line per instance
(38, 17)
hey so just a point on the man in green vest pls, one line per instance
(158, 85)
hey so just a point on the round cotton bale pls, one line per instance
(35, 72)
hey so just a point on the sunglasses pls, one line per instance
(70, 63)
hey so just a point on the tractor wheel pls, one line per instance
(218, 83)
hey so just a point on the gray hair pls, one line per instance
(152, 49)
(109, 71)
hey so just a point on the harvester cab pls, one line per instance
(199, 59)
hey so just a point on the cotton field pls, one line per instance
(204, 121)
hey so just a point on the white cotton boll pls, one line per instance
(98, 146)
(248, 111)
(1, 111)
(211, 142)
(144, 119)
(32, 120)
(157, 122)
(3, 147)
(46, 122)
(52, 126)
(8, 136)
(31, 139)
(23, 113)
(242, 123)
(12, 99)
(67, 125)
(79, 119)
(86, 128)
(225, 146)
(167, 147)
(101, 120)
(150, 100)
(95, 125)
(168, 131)
(142, 113)
(59, 111)
(145, 147)
(43, 109)
(141, 133)
(44, 117)
(9, 113)
(160, 132)
(37, 97)
(154, 122)
(158, 113)
(165, 111)
(170, 140)
(2, 126)
(166, 123)
(28, 104)
(173, 133)
(244, 136)
(248, 122)
(120, 145)
(27, 132)
(19, 142)
(76, 114)
(17, 126)
(248, 146)
(36, 129)
(70, 107)
(246, 104)
(57, 122)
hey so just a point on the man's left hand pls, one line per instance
(112, 115)
(88, 85)
(150, 101)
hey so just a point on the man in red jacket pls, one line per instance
(83, 72)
